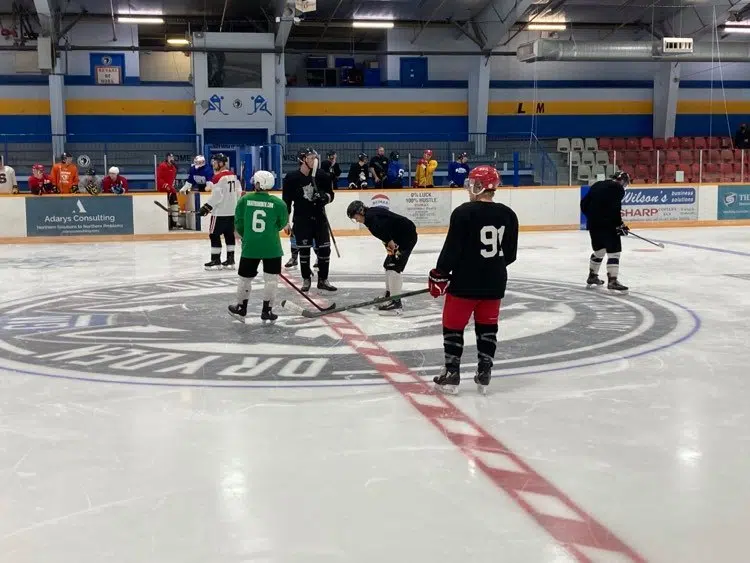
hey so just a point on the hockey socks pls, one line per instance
(613, 265)
(393, 282)
(243, 289)
(596, 259)
(271, 285)
(453, 347)
(486, 344)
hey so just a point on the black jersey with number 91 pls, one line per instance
(482, 240)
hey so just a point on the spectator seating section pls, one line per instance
(707, 159)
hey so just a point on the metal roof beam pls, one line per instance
(496, 18)
(285, 14)
(695, 21)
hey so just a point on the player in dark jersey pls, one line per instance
(398, 234)
(308, 190)
(602, 206)
(482, 241)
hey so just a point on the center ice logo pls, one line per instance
(178, 333)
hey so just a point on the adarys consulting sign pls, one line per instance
(63, 216)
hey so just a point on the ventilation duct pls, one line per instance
(630, 51)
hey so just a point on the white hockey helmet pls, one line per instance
(114, 170)
(263, 180)
(199, 161)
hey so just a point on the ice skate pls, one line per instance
(292, 263)
(324, 285)
(214, 264)
(267, 314)
(228, 264)
(616, 287)
(594, 281)
(447, 381)
(238, 311)
(394, 307)
(306, 285)
(482, 378)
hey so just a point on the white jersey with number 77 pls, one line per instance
(225, 192)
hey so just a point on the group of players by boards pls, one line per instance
(471, 269)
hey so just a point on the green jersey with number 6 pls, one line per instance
(258, 218)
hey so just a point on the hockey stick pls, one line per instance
(307, 297)
(644, 239)
(159, 204)
(313, 314)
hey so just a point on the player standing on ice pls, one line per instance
(221, 205)
(399, 235)
(602, 206)
(309, 190)
(199, 175)
(259, 217)
(482, 241)
(8, 182)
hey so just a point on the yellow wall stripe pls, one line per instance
(717, 106)
(376, 109)
(129, 107)
(24, 107)
(586, 107)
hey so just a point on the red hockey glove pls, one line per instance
(438, 283)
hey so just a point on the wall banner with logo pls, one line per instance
(660, 204)
(734, 203)
(84, 215)
(425, 208)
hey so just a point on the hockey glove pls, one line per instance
(118, 189)
(438, 283)
(14, 190)
(205, 209)
(623, 230)
(352, 186)
(74, 189)
(321, 199)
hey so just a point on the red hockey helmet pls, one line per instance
(482, 178)
(39, 167)
(428, 154)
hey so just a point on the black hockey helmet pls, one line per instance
(621, 177)
(331, 153)
(395, 155)
(304, 153)
(91, 172)
(463, 155)
(355, 208)
(362, 156)
(65, 155)
(220, 157)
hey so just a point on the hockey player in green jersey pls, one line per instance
(258, 218)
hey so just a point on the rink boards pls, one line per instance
(26, 218)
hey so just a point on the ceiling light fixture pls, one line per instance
(744, 29)
(364, 24)
(178, 41)
(546, 27)
(129, 19)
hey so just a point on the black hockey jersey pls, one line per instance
(298, 189)
(357, 174)
(333, 169)
(602, 206)
(388, 226)
(482, 241)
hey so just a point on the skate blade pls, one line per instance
(212, 268)
(447, 389)
(238, 317)
(393, 313)
(617, 292)
(481, 389)
(594, 285)
(228, 267)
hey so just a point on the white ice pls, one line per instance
(655, 447)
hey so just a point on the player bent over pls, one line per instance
(221, 205)
(482, 241)
(399, 235)
(259, 218)
(602, 206)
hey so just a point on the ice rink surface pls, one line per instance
(140, 423)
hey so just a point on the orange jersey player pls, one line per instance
(65, 175)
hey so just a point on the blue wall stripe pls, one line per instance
(377, 129)
(707, 84)
(101, 128)
(696, 125)
(29, 126)
(572, 125)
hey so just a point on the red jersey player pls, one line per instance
(482, 240)
(40, 183)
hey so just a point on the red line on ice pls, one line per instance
(575, 529)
